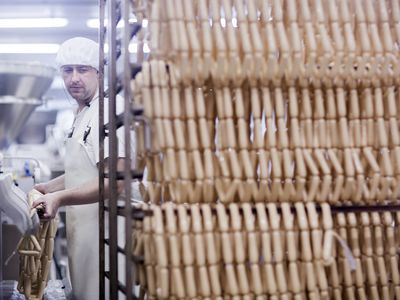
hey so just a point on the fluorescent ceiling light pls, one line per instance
(33, 23)
(95, 23)
(132, 48)
(29, 48)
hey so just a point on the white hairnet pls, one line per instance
(78, 51)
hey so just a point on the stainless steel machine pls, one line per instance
(22, 86)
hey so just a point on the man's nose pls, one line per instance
(75, 75)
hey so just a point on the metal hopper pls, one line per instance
(22, 86)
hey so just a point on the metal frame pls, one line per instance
(139, 213)
(114, 10)
(1, 247)
(128, 163)
(102, 33)
(112, 160)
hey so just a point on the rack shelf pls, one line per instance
(120, 67)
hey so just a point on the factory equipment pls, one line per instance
(15, 205)
(22, 86)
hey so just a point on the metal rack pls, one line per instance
(117, 65)
(119, 80)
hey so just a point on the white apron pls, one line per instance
(82, 220)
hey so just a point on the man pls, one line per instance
(78, 60)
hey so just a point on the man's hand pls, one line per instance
(41, 187)
(50, 202)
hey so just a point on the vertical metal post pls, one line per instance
(1, 248)
(127, 170)
(112, 159)
(101, 151)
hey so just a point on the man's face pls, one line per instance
(81, 81)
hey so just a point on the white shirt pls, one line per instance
(86, 129)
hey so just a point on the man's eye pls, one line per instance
(83, 70)
(67, 70)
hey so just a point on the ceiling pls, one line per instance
(77, 12)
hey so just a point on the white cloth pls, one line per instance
(82, 220)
